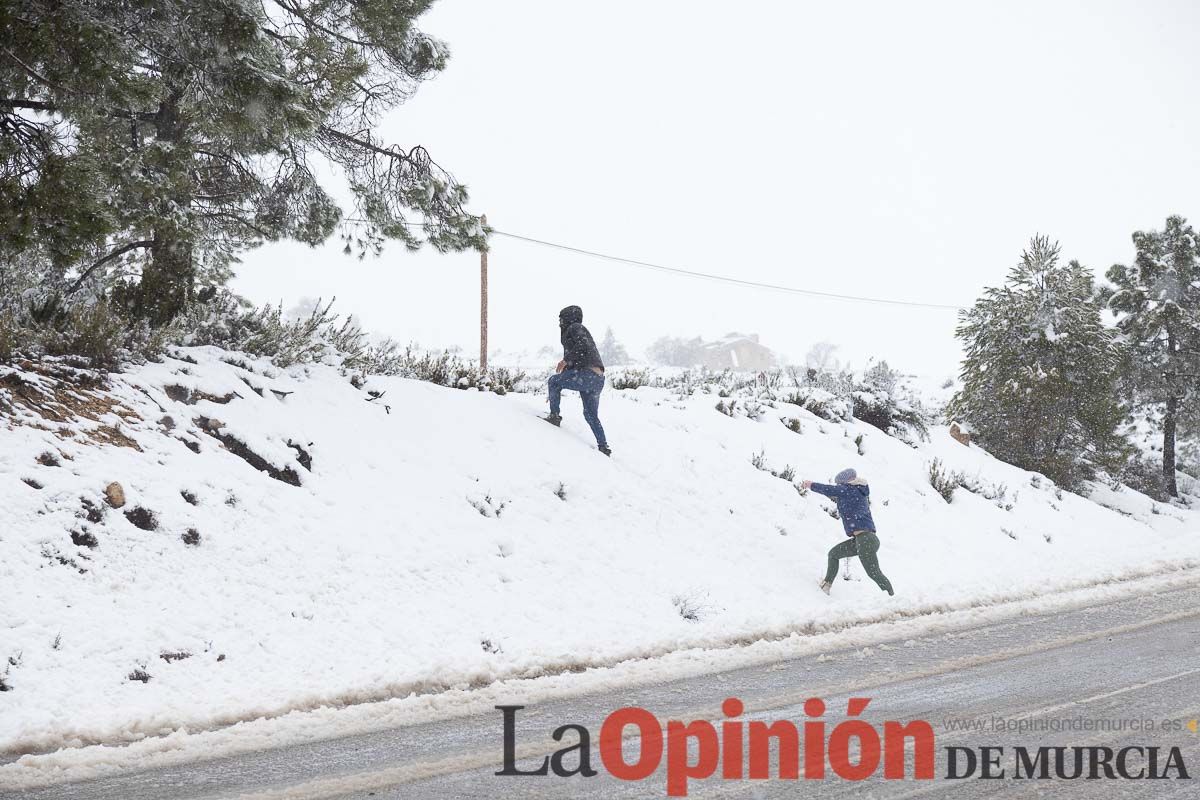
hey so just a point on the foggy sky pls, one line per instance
(901, 150)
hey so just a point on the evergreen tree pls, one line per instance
(1157, 304)
(612, 352)
(156, 139)
(1040, 372)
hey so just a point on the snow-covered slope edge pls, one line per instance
(444, 538)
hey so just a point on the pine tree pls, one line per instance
(612, 352)
(158, 139)
(1157, 304)
(1040, 371)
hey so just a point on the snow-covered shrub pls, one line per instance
(228, 321)
(380, 358)
(487, 506)
(880, 399)
(750, 409)
(224, 320)
(996, 492)
(630, 379)
(93, 330)
(753, 409)
(43, 313)
(84, 538)
(943, 481)
(820, 402)
(832, 378)
(1192, 467)
(143, 518)
(759, 461)
(1145, 475)
(503, 380)
(445, 369)
(693, 606)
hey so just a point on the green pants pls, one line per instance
(864, 545)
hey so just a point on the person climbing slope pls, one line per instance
(852, 496)
(580, 370)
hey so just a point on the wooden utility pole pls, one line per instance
(483, 303)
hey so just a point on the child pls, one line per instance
(852, 496)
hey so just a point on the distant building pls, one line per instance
(737, 351)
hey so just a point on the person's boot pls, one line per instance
(553, 419)
(603, 448)
(826, 586)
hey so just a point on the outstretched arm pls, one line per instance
(826, 489)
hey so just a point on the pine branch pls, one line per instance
(51, 108)
(33, 73)
(31, 105)
(299, 14)
(365, 144)
(120, 251)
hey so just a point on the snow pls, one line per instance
(428, 548)
(325, 723)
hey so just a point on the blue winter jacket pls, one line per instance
(852, 504)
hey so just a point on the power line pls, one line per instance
(719, 278)
(726, 278)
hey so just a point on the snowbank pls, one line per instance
(442, 538)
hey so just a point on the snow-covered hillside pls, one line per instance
(288, 539)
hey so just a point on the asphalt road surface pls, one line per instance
(1111, 666)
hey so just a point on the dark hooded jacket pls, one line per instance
(853, 503)
(579, 349)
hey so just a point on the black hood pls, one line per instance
(569, 316)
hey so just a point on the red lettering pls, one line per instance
(678, 768)
(760, 749)
(731, 740)
(868, 744)
(894, 735)
(814, 740)
(612, 732)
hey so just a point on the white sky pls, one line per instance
(905, 150)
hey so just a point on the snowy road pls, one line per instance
(1136, 658)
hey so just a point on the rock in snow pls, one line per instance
(114, 494)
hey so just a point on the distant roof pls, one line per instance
(734, 338)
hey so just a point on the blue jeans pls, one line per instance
(589, 385)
